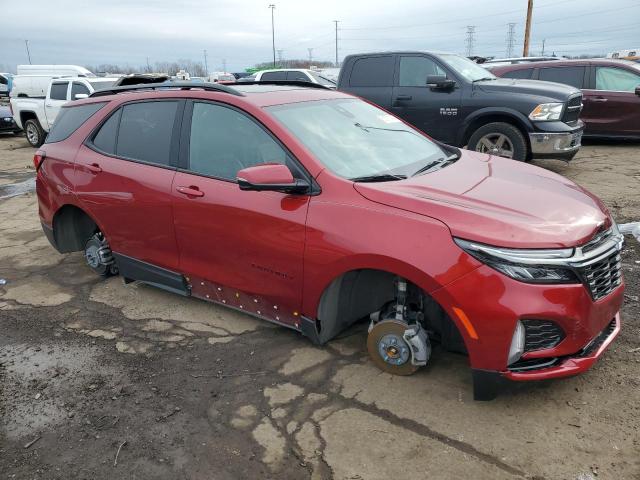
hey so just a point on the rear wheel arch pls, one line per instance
(72, 228)
(27, 115)
(357, 293)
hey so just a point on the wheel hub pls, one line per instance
(92, 256)
(388, 349)
(393, 349)
(32, 134)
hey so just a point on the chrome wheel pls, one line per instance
(33, 135)
(495, 144)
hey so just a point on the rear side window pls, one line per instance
(59, 91)
(568, 75)
(524, 73)
(145, 131)
(69, 120)
(77, 88)
(297, 76)
(270, 76)
(372, 72)
(105, 139)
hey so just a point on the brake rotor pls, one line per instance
(388, 349)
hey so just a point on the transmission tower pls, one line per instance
(310, 55)
(471, 40)
(510, 40)
(280, 56)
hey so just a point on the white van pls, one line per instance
(33, 80)
(55, 70)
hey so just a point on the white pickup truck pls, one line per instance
(35, 115)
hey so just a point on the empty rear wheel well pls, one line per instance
(358, 293)
(72, 227)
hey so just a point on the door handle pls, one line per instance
(49, 104)
(600, 99)
(191, 191)
(94, 168)
(404, 97)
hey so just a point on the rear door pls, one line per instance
(57, 96)
(611, 107)
(123, 176)
(242, 248)
(433, 111)
(372, 78)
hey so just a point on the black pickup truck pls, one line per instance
(458, 102)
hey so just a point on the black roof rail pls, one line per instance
(210, 87)
(293, 83)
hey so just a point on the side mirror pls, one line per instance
(638, 90)
(80, 96)
(440, 82)
(271, 177)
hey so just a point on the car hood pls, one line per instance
(555, 91)
(499, 202)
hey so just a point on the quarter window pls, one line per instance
(372, 72)
(616, 79)
(224, 141)
(270, 76)
(59, 91)
(297, 76)
(69, 120)
(145, 131)
(568, 75)
(414, 71)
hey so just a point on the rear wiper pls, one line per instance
(441, 161)
(384, 177)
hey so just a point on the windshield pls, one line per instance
(354, 139)
(101, 84)
(465, 67)
(322, 80)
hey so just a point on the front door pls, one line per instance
(58, 96)
(123, 179)
(241, 248)
(433, 111)
(612, 107)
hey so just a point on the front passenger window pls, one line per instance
(616, 79)
(224, 141)
(414, 71)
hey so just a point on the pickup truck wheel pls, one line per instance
(34, 133)
(501, 139)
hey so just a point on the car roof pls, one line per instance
(565, 62)
(259, 95)
(401, 52)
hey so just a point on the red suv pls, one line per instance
(314, 209)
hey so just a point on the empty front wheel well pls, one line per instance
(72, 227)
(358, 293)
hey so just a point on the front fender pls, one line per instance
(487, 112)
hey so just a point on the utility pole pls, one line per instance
(336, 22)
(280, 57)
(543, 42)
(527, 31)
(510, 40)
(26, 42)
(272, 6)
(471, 30)
(148, 66)
(224, 65)
(310, 55)
(206, 67)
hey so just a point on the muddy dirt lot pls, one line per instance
(99, 380)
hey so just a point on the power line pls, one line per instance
(471, 29)
(510, 39)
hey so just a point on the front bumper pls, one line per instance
(563, 145)
(7, 124)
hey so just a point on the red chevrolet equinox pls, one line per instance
(314, 209)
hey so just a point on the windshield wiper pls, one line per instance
(383, 177)
(442, 162)
(482, 79)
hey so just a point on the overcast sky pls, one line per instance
(92, 32)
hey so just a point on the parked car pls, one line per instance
(7, 124)
(246, 79)
(610, 88)
(294, 74)
(516, 60)
(5, 83)
(458, 102)
(309, 188)
(36, 115)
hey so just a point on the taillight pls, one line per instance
(38, 158)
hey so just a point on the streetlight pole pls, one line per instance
(527, 31)
(336, 22)
(26, 42)
(272, 6)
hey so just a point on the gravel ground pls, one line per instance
(99, 380)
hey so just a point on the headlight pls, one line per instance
(547, 111)
(524, 265)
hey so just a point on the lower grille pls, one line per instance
(541, 334)
(603, 276)
(533, 364)
(597, 342)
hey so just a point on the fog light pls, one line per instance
(517, 344)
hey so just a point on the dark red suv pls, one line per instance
(314, 209)
(610, 89)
